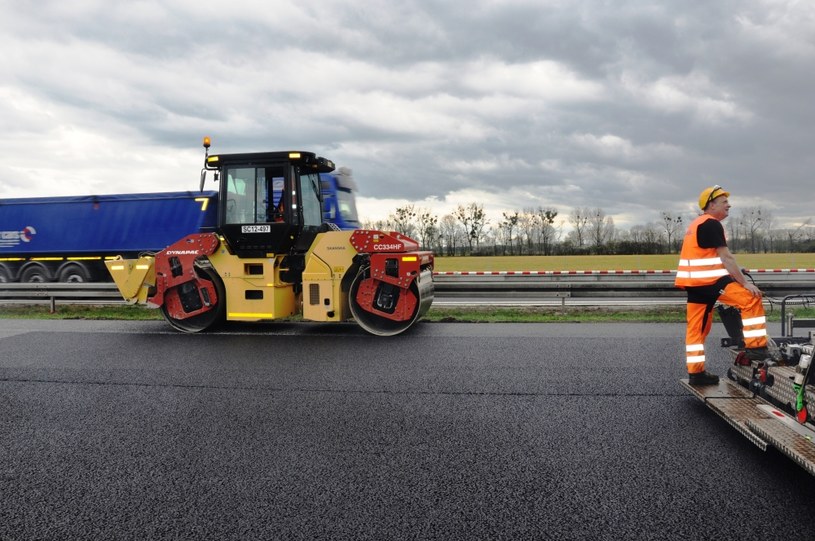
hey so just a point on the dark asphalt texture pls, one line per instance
(126, 430)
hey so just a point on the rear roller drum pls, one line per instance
(192, 296)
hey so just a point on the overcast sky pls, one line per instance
(629, 106)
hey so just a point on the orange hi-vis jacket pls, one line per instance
(698, 266)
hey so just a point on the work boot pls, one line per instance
(703, 378)
(757, 354)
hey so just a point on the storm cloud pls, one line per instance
(629, 106)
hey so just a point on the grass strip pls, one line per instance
(468, 314)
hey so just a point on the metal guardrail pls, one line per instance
(561, 285)
(775, 283)
(51, 292)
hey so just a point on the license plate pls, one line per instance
(256, 229)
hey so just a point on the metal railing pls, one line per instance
(605, 283)
(789, 322)
(540, 285)
(69, 293)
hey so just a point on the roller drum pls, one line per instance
(421, 289)
(427, 291)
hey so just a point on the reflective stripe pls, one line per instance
(695, 360)
(754, 321)
(755, 334)
(701, 262)
(695, 347)
(709, 273)
(702, 274)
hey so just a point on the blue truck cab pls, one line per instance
(339, 198)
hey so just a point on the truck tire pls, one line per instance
(74, 273)
(36, 273)
(5, 275)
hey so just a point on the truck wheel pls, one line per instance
(5, 275)
(35, 273)
(209, 319)
(74, 273)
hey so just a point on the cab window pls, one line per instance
(310, 190)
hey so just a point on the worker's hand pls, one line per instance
(753, 289)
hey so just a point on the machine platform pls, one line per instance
(759, 421)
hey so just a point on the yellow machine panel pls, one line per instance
(253, 287)
(133, 277)
(327, 262)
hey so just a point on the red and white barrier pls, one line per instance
(584, 272)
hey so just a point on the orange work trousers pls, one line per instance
(753, 322)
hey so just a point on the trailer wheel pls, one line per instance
(36, 273)
(5, 275)
(209, 319)
(74, 273)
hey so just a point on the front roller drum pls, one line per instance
(384, 309)
(197, 305)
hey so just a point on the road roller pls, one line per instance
(271, 256)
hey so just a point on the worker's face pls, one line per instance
(719, 208)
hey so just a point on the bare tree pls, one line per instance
(651, 234)
(428, 231)
(769, 233)
(378, 225)
(579, 218)
(634, 234)
(734, 228)
(528, 226)
(473, 218)
(547, 233)
(601, 227)
(533, 231)
(498, 236)
(794, 236)
(751, 221)
(451, 233)
(673, 229)
(508, 226)
(403, 218)
(609, 231)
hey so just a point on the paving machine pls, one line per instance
(772, 401)
(271, 256)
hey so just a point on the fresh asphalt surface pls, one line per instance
(126, 430)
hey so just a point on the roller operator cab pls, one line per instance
(272, 256)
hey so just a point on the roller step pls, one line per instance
(759, 421)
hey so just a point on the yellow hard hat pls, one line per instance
(709, 194)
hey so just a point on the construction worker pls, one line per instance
(709, 273)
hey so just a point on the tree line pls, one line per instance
(543, 231)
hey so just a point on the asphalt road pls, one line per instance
(125, 430)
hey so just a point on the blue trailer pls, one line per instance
(67, 239)
(339, 198)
